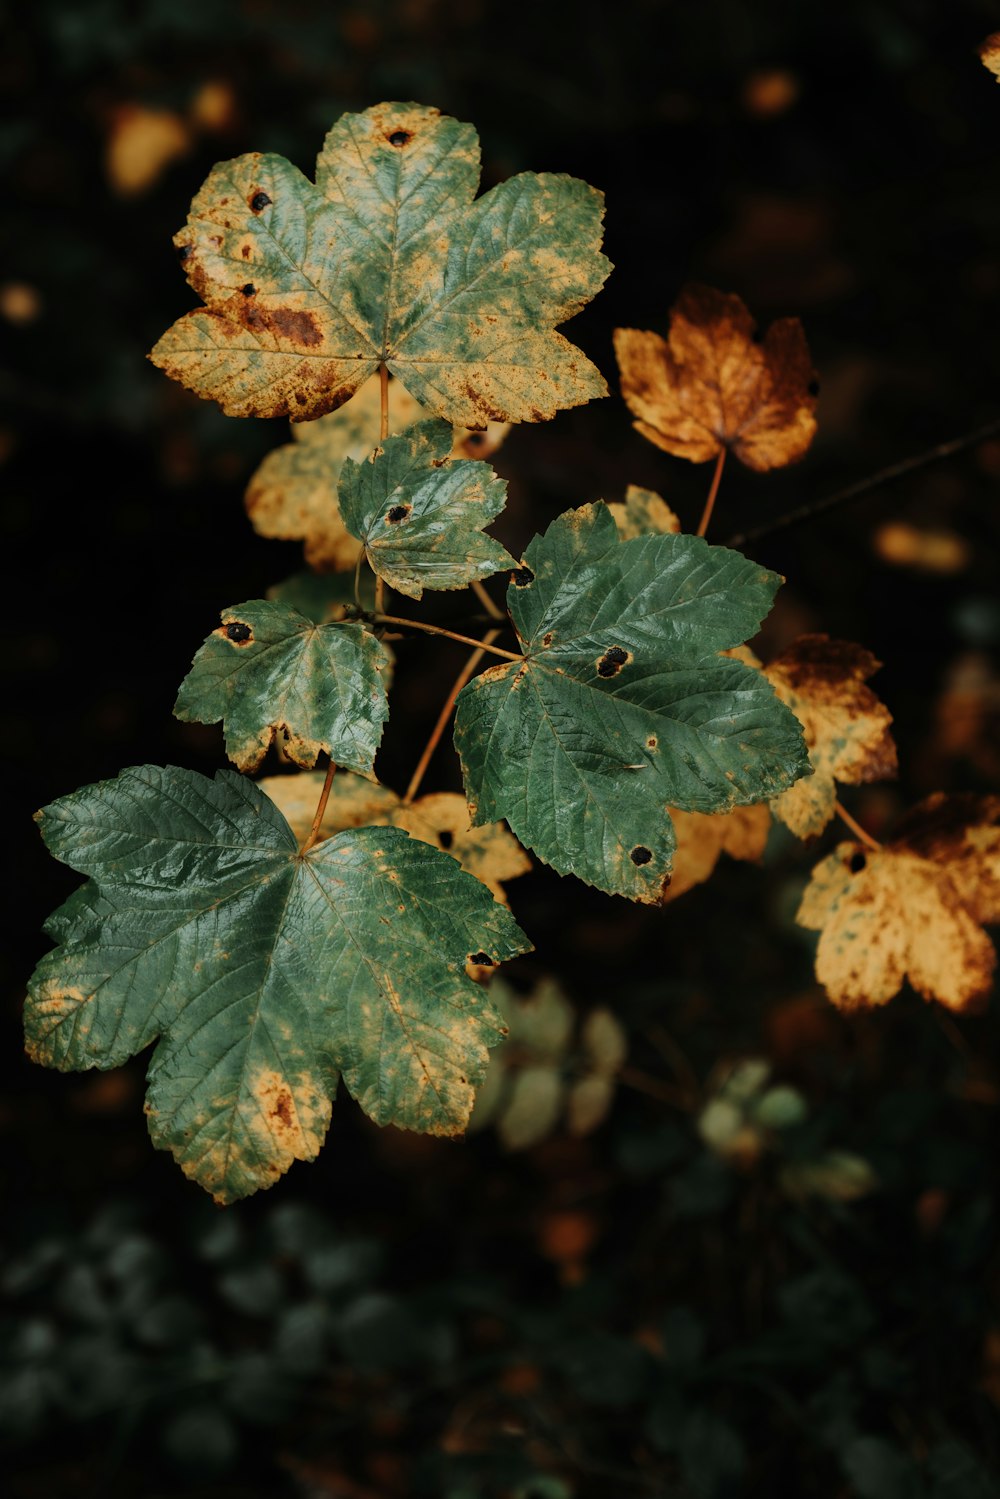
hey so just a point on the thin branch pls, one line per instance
(383, 375)
(865, 486)
(445, 715)
(324, 797)
(491, 609)
(706, 514)
(417, 624)
(855, 827)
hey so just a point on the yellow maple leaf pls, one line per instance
(703, 837)
(491, 853)
(643, 512)
(709, 385)
(912, 908)
(846, 727)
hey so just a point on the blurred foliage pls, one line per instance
(637, 1310)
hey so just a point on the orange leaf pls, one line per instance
(846, 727)
(709, 385)
(703, 837)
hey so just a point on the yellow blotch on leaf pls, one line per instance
(912, 909)
(709, 385)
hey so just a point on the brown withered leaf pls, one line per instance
(490, 853)
(989, 53)
(911, 909)
(709, 385)
(293, 493)
(846, 727)
(703, 837)
(644, 512)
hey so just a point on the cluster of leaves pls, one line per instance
(629, 740)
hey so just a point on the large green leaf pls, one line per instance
(387, 259)
(623, 705)
(419, 516)
(268, 669)
(262, 974)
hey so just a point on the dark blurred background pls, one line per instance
(806, 1304)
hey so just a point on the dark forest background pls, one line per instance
(636, 1312)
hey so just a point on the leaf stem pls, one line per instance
(706, 514)
(864, 486)
(491, 609)
(383, 433)
(324, 797)
(445, 714)
(855, 827)
(417, 624)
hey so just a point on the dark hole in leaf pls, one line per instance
(183, 251)
(400, 137)
(857, 862)
(249, 289)
(522, 577)
(475, 440)
(259, 201)
(813, 387)
(447, 838)
(397, 513)
(612, 661)
(641, 854)
(238, 632)
(481, 957)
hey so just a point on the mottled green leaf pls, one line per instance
(388, 260)
(622, 705)
(262, 974)
(268, 669)
(419, 516)
(294, 492)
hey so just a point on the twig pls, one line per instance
(855, 827)
(486, 601)
(417, 624)
(865, 486)
(383, 375)
(445, 714)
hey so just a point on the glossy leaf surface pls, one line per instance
(262, 975)
(623, 706)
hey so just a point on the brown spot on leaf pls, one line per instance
(612, 661)
(282, 1109)
(300, 327)
(237, 632)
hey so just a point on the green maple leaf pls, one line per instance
(268, 669)
(262, 974)
(387, 260)
(419, 516)
(623, 705)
